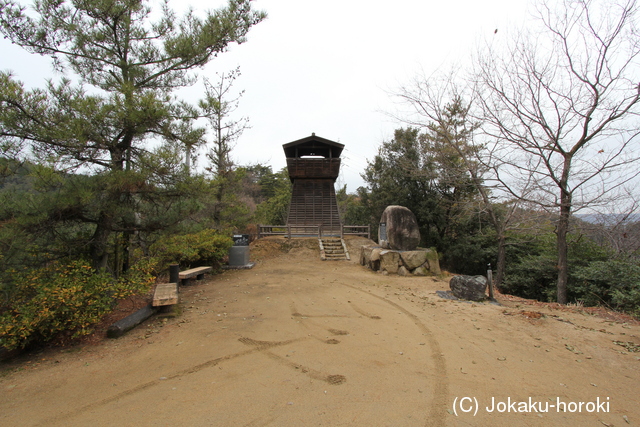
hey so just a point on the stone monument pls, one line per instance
(397, 251)
(398, 229)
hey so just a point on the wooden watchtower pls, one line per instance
(314, 165)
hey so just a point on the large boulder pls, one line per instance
(433, 262)
(402, 271)
(421, 262)
(389, 261)
(414, 259)
(421, 271)
(400, 231)
(370, 257)
(468, 287)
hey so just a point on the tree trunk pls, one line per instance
(126, 245)
(116, 259)
(563, 267)
(561, 234)
(563, 255)
(99, 242)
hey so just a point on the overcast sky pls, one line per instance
(328, 67)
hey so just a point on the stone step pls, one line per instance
(333, 249)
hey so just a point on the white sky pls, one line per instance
(328, 67)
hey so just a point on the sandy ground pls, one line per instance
(296, 341)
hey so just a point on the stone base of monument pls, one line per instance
(418, 262)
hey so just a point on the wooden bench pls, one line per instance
(165, 294)
(197, 272)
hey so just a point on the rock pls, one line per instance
(468, 287)
(364, 255)
(374, 262)
(370, 257)
(389, 261)
(402, 271)
(433, 263)
(400, 229)
(424, 261)
(413, 259)
(421, 271)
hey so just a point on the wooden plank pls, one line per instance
(194, 272)
(165, 294)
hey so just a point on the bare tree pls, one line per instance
(439, 107)
(562, 105)
(616, 227)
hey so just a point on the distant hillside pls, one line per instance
(609, 219)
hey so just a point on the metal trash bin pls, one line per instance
(239, 252)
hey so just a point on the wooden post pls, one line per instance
(490, 281)
(174, 271)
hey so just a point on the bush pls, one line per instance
(595, 276)
(64, 297)
(614, 282)
(533, 277)
(205, 247)
(469, 255)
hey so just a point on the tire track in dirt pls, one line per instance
(364, 313)
(304, 316)
(303, 319)
(316, 375)
(258, 346)
(436, 416)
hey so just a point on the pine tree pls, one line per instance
(127, 67)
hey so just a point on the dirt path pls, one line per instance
(296, 341)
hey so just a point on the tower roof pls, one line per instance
(313, 146)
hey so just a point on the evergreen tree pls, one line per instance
(417, 171)
(276, 188)
(446, 148)
(397, 175)
(127, 66)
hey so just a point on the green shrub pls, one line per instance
(596, 277)
(64, 297)
(205, 247)
(614, 282)
(469, 255)
(532, 277)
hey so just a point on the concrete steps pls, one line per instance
(333, 249)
